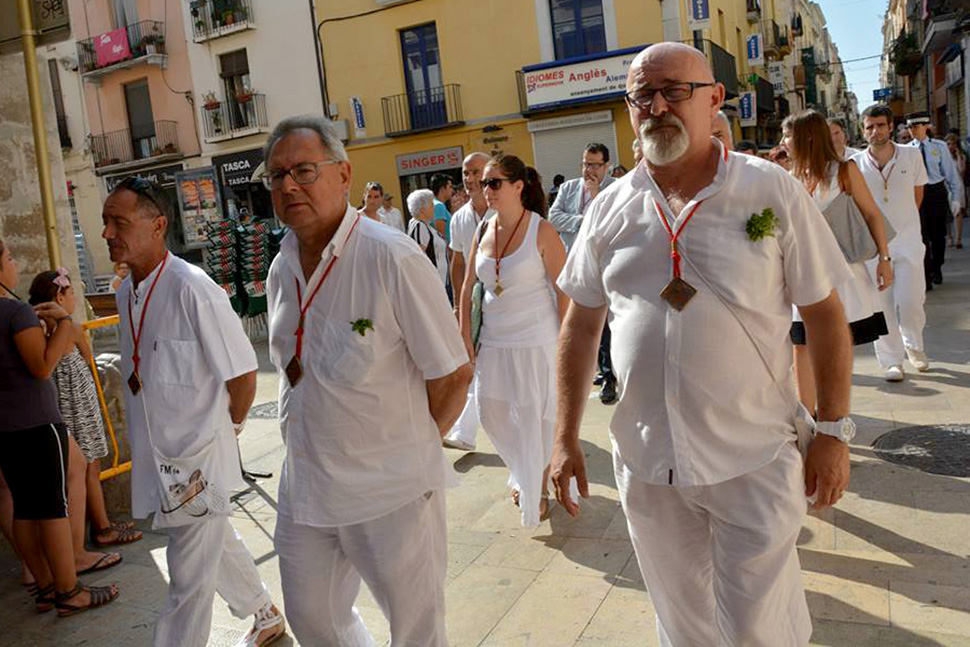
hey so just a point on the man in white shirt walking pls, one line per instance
(373, 371)
(697, 257)
(464, 225)
(896, 177)
(191, 378)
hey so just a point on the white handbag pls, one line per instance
(187, 492)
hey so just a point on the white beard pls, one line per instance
(661, 149)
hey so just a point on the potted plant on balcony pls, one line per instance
(209, 101)
(905, 55)
(245, 95)
(228, 17)
(216, 121)
(170, 148)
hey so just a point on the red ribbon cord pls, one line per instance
(299, 295)
(674, 254)
(136, 358)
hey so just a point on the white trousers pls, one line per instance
(719, 561)
(466, 427)
(902, 304)
(205, 558)
(403, 557)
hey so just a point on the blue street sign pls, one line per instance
(881, 93)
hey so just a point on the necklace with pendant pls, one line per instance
(498, 259)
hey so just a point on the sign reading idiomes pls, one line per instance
(589, 80)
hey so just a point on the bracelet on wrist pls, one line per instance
(62, 319)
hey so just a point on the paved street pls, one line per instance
(890, 567)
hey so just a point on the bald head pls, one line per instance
(472, 169)
(673, 100)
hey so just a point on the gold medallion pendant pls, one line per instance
(294, 371)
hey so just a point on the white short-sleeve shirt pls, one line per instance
(360, 439)
(902, 174)
(191, 345)
(697, 404)
(464, 224)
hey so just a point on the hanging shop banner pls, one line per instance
(198, 197)
(747, 109)
(237, 169)
(756, 56)
(698, 14)
(360, 125)
(590, 79)
(427, 161)
(776, 74)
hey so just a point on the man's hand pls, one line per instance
(826, 470)
(568, 461)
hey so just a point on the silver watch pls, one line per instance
(843, 429)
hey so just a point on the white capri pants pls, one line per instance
(903, 305)
(719, 561)
(205, 558)
(403, 557)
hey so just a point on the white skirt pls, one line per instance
(516, 392)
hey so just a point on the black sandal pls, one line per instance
(44, 598)
(100, 596)
(125, 534)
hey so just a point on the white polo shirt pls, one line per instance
(697, 404)
(191, 345)
(391, 217)
(903, 172)
(464, 224)
(360, 439)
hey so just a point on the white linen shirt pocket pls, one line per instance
(344, 356)
(177, 362)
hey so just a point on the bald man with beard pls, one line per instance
(696, 257)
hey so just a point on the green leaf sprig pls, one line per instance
(761, 225)
(361, 326)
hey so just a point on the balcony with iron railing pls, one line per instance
(421, 110)
(722, 64)
(772, 36)
(754, 11)
(119, 149)
(142, 42)
(241, 116)
(216, 18)
(765, 93)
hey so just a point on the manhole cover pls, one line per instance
(266, 410)
(940, 449)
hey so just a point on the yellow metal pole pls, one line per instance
(40, 133)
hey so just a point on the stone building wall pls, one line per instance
(21, 216)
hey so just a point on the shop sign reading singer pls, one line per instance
(587, 80)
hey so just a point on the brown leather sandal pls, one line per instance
(44, 598)
(100, 596)
(125, 534)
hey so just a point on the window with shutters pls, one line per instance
(62, 132)
(234, 70)
(578, 27)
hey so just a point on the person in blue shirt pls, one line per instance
(441, 186)
(942, 197)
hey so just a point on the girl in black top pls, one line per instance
(34, 458)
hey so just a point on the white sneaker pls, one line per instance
(268, 628)
(895, 373)
(918, 359)
(457, 443)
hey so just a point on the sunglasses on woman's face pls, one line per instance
(493, 183)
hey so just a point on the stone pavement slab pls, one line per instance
(890, 567)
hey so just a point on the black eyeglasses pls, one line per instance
(494, 183)
(642, 98)
(305, 173)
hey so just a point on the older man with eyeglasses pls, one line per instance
(696, 257)
(191, 378)
(373, 371)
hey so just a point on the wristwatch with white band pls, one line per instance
(843, 429)
(886, 259)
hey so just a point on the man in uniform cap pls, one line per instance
(942, 197)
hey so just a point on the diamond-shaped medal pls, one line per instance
(294, 371)
(134, 383)
(677, 293)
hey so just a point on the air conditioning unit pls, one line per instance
(343, 129)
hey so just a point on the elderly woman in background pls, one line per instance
(421, 206)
